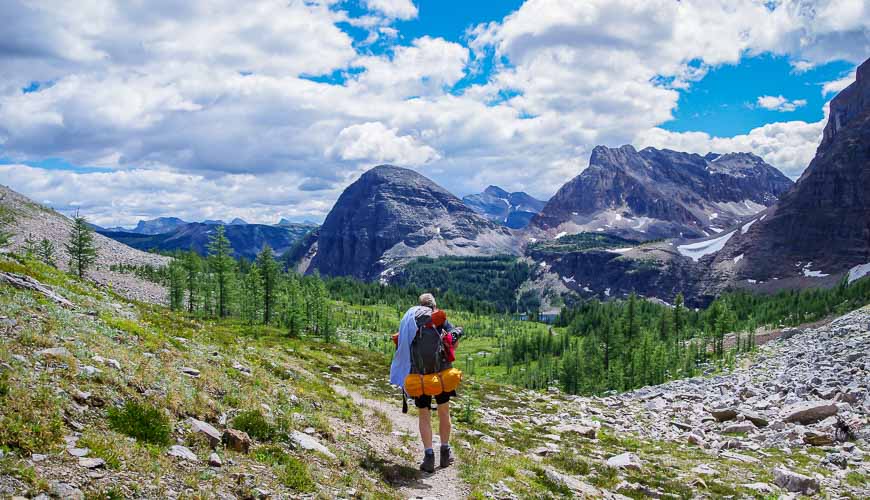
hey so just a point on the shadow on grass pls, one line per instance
(392, 473)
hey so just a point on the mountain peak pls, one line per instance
(391, 214)
(496, 191)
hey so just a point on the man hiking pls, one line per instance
(425, 346)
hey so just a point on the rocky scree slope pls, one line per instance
(821, 227)
(391, 215)
(651, 194)
(36, 222)
(514, 210)
(792, 418)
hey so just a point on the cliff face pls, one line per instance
(391, 214)
(822, 226)
(652, 193)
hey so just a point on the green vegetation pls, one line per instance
(141, 421)
(480, 284)
(579, 242)
(255, 424)
(291, 471)
(81, 249)
(30, 419)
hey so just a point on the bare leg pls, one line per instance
(444, 423)
(425, 417)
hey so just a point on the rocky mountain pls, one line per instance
(821, 228)
(155, 226)
(238, 222)
(392, 214)
(246, 239)
(513, 210)
(651, 194)
(34, 222)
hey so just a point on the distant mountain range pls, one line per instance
(246, 239)
(513, 210)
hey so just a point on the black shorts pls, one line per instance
(426, 401)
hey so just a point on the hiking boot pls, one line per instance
(428, 464)
(446, 457)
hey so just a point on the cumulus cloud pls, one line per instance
(372, 142)
(188, 102)
(779, 103)
(396, 9)
(125, 196)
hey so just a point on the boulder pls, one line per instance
(583, 490)
(581, 430)
(817, 438)
(190, 372)
(739, 428)
(755, 418)
(794, 482)
(625, 461)
(809, 412)
(215, 460)
(310, 443)
(237, 440)
(724, 414)
(65, 491)
(207, 430)
(183, 453)
(92, 463)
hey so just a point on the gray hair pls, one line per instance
(427, 299)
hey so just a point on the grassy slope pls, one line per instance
(292, 378)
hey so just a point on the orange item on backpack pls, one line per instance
(433, 384)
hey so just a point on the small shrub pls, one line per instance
(291, 471)
(255, 424)
(295, 475)
(141, 421)
(103, 446)
(30, 418)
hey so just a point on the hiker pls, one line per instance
(424, 347)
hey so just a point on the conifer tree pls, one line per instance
(192, 265)
(295, 310)
(81, 249)
(252, 295)
(45, 252)
(269, 273)
(221, 265)
(176, 285)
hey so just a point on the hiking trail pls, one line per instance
(444, 484)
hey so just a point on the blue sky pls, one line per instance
(146, 111)
(724, 102)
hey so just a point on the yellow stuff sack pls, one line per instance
(433, 384)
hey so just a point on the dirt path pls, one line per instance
(444, 484)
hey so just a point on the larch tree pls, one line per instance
(81, 249)
(221, 264)
(269, 273)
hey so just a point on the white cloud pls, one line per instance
(779, 103)
(396, 9)
(213, 97)
(837, 85)
(372, 142)
(147, 193)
